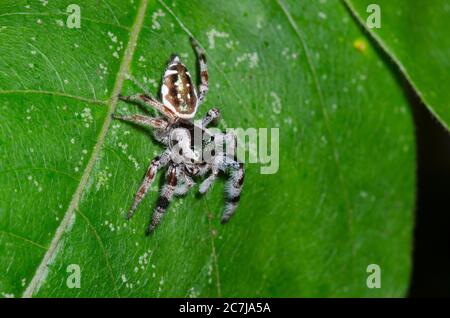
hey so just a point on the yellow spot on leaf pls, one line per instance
(360, 45)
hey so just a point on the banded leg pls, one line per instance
(201, 57)
(145, 121)
(148, 102)
(156, 163)
(233, 192)
(183, 187)
(164, 198)
(206, 184)
(211, 115)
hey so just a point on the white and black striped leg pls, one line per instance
(165, 197)
(233, 192)
(156, 163)
(210, 116)
(206, 184)
(185, 185)
(148, 103)
(201, 57)
(145, 121)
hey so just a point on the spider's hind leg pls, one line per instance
(206, 184)
(203, 87)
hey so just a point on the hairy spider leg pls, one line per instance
(149, 103)
(201, 57)
(206, 184)
(145, 121)
(233, 190)
(183, 187)
(157, 162)
(165, 197)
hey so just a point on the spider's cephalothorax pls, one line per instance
(175, 129)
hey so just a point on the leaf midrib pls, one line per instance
(41, 270)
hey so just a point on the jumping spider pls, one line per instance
(180, 101)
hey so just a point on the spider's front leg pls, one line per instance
(157, 162)
(165, 197)
(148, 102)
(233, 188)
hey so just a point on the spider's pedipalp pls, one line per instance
(165, 197)
(206, 184)
(215, 168)
(203, 65)
(157, 162)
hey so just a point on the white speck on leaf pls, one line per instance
(103, 177)
(322, 15)
(252, 59)
(213, 34)
(276, 103)
(155, 23)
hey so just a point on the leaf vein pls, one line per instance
(105, 252)
(325, 115)
(54, 93)
(121, 76)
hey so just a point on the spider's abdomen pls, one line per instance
(177, 91)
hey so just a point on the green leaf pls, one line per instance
(414, 34)
(342, 198)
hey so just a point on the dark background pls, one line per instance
(431, 254)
